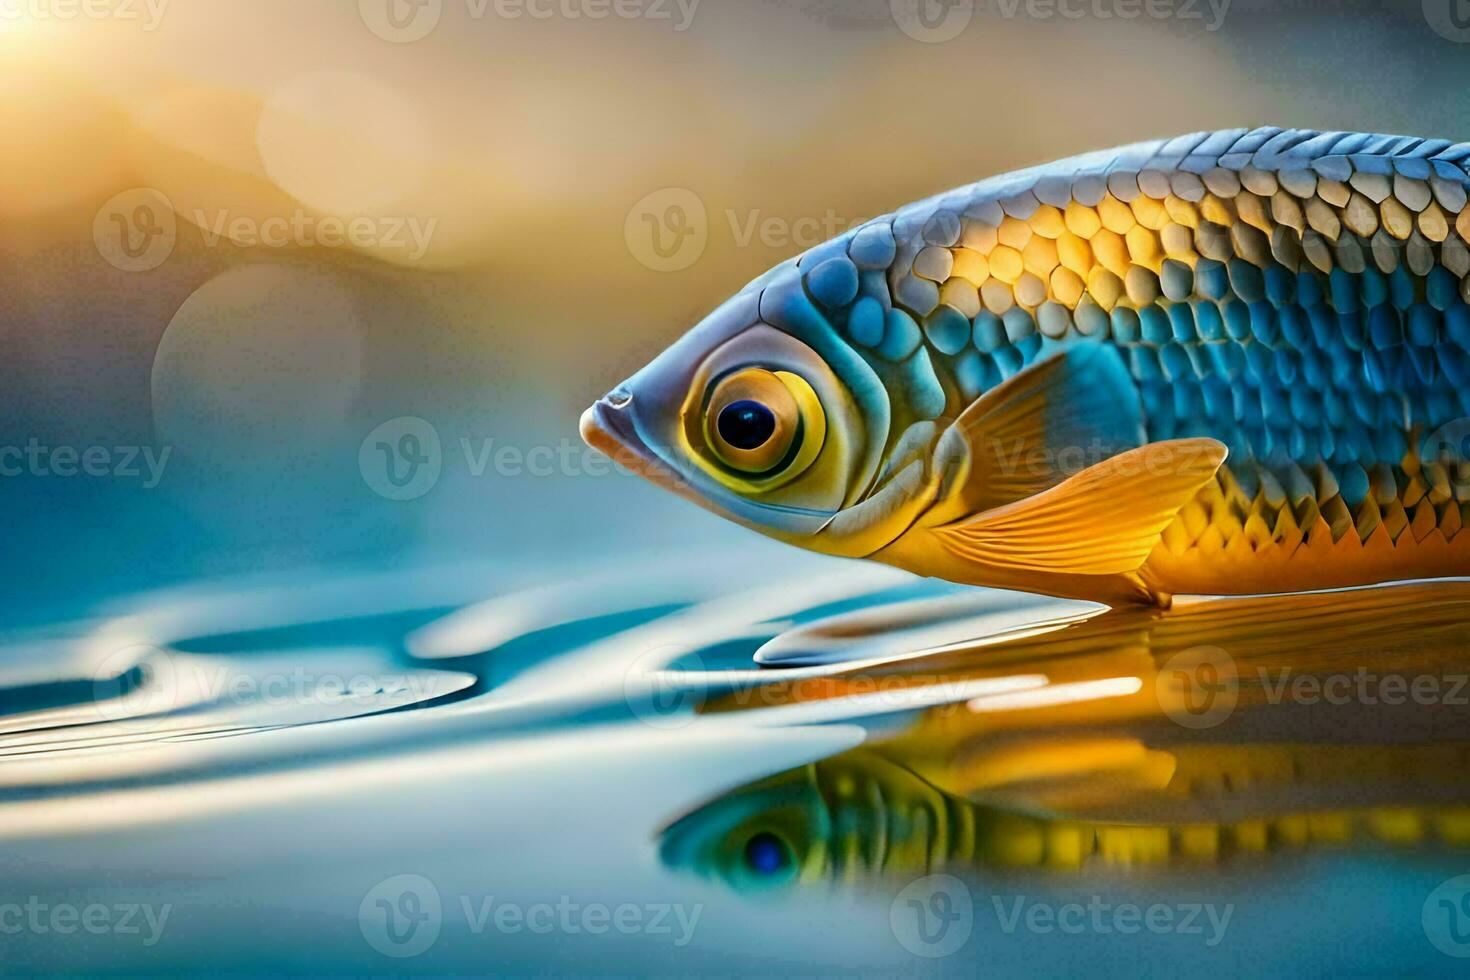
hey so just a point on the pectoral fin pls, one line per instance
(1103, 521)
(1031, 432)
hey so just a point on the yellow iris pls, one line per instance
(767, 426)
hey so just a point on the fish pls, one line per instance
(1227, 363)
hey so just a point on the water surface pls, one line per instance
(656, 767)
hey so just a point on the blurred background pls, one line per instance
(317, 285)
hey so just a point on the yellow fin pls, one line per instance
(1103, 521)
(1032, 431)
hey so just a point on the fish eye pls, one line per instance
(767, 854)
(754, 429)
(752, 421)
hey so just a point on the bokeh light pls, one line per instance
(343, 142)
(259, 364)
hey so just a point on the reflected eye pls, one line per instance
(766, 854)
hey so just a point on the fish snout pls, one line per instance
(608, 425)
(611, 428)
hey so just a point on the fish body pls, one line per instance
(1227, 363)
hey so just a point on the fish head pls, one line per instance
(759, 838)
(762, 413)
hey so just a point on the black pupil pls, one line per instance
(765, 854)
(746, 424)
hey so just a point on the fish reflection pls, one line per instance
(1250, 726)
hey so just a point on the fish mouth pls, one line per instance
(608, 427)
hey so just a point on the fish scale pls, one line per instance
(1247, 262)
